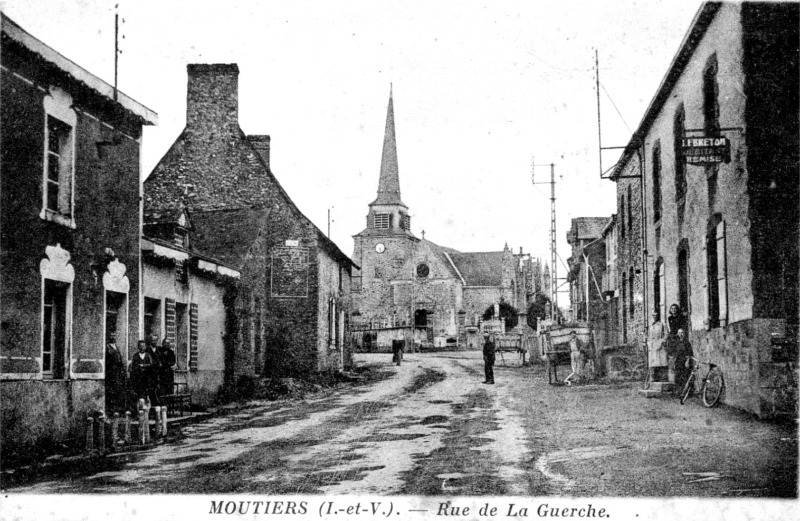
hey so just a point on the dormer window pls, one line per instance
(382, 221)
(181, 237)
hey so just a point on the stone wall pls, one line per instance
(752, 373)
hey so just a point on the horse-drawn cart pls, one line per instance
(554, 345)
(510, 343)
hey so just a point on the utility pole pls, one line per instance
(116, 48)
(553, 255)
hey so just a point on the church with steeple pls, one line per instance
(410, 288)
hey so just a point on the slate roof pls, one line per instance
(227, 235)
(443, 252)
(480, 268)
(389, 183)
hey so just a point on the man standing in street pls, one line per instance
(488, 357)
(576, 358)
(115, 377)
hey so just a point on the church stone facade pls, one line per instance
(411, 289)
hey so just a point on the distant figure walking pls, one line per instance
(488, 357)
(575, 348)
(397, 351)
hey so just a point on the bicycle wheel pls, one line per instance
(687, 389)
(712, 388)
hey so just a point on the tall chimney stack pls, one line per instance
(212, 99)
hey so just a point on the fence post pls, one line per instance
(89, 434)
(143, 428)
(147, 420)
(157, 432)
(164, 420)
(101, 432)
(115, 429)
(127, 427)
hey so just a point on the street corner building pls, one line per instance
(69, 275)
(707, 193)
(214, 196)
(413, 290)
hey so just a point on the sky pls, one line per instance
(483, 90)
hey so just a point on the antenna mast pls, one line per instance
(116, 48)
(599, 133)
(553, 255)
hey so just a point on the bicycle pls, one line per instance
(712, 387)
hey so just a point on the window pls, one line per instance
(680, 166)
(683, 278)
(711, 120)
(57, 166)
(630, 211)
(180, 236)
(382, 221)
(659, 290)
(152, 317)
(116, 318)
(54, 329)
(58, 161)
(181, 340)
(622, 218)
(257, 335)
(333, 319)
(657, 182)
(194, 353)
(631, 285)
(717, 286)
(711, 96)
(622, 309)
(405, 221)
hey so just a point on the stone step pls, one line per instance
(664, 387)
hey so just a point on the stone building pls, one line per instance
(293, 292)
(189, 299)
(587, 264)
(415, 290)
(69, 270)
(708, 191)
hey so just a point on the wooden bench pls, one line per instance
(179, 402)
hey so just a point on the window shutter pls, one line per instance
(193, 337)
(722, 275)
(169, 317)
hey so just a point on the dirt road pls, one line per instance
(429, 427)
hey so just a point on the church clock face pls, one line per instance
(380, 247)
(423, 270)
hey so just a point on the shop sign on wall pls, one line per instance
(706, 150)
(289, 277)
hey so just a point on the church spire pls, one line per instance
(389, 183)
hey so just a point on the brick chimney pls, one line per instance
(212, 99)
(261, 144)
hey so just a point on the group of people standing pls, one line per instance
(151, 373)
(669, 348)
